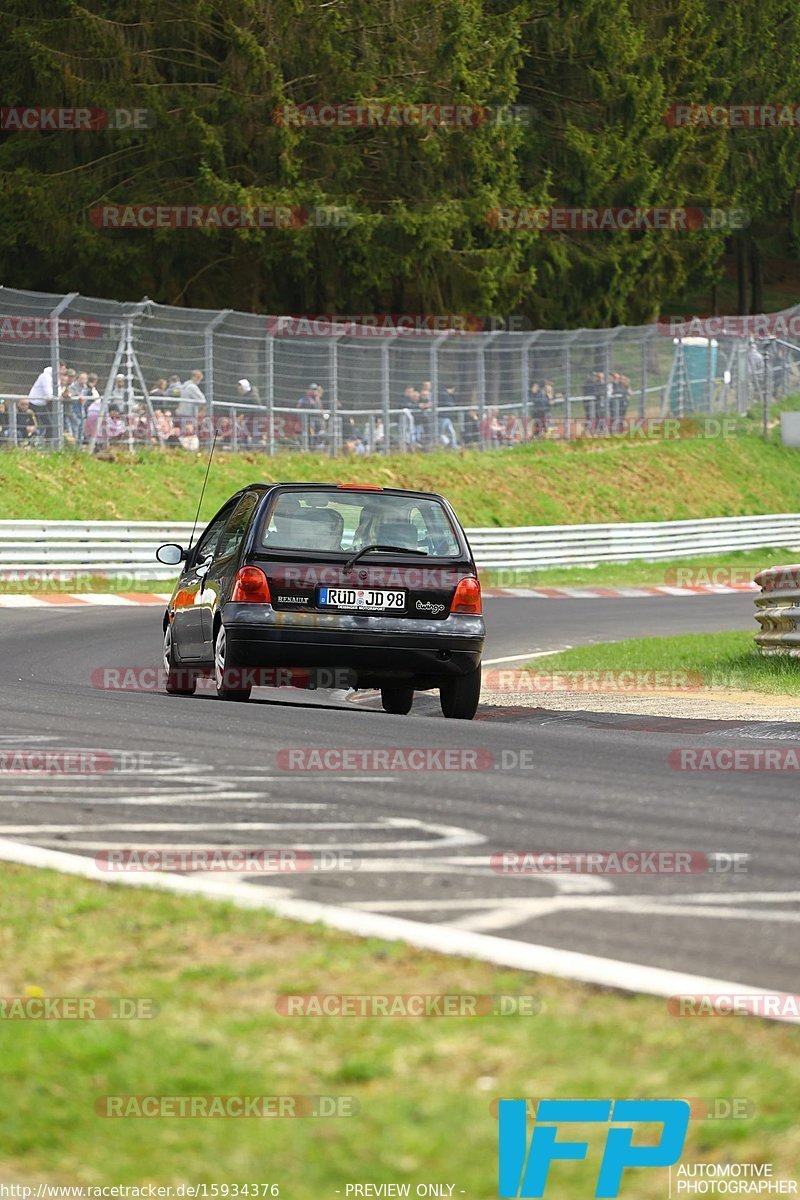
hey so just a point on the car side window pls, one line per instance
(208, 540)
(236, 527)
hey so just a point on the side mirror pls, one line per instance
(171, 554)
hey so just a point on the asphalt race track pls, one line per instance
(423, 840)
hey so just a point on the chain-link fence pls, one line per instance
(79, 372)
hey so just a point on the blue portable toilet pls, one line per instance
(694, 369)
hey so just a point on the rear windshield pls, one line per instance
(334, 520)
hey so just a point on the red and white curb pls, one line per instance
(603, 593)
(84, 599)
(126, 599)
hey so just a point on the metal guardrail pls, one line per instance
(778, 611)
(119, 547)
(573, 545)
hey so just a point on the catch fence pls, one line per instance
(386, 386)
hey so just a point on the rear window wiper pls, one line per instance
(351, 562)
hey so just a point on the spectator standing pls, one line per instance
(424, 414)
(472, 428)
(311, 403)
(447, 431)
(247, 393)
(41, 396)
(539, 409)
(191, 396)
(75, 408)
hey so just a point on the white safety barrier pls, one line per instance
(111, 547)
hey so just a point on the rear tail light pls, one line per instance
(251, 586)
(468, 597)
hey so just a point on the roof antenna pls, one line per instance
(202, 491)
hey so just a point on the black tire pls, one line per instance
(459, 696)
(224, 669)
(397, 700)
(179, 681)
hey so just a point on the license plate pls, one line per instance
(362, 599)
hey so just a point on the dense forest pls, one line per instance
(574, 97)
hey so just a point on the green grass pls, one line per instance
(725, 661)
(424, 1085)
(532, 484)
(734, 567)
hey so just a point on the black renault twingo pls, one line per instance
(373, 586)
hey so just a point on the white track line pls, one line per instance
(489, 662)
(522, 956)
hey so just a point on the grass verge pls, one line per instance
(734, 567)
(724, 660)
(545, 483)
(424, 1085)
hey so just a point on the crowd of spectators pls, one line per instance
(175, 413)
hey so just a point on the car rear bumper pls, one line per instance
(375, 648)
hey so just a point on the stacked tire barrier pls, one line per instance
(778, 611)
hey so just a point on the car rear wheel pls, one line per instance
(225, 675)
(179, 681)
(459, 696)
(397, 700)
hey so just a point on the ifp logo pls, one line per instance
(523, 1170)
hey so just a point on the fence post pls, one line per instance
(434, 368)
(525, 376)
(385, 392)
(269, 376)
(333, 359)
(568, 386)
(209, 356)
(481, 391)
(643, 393)
(55, 422)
